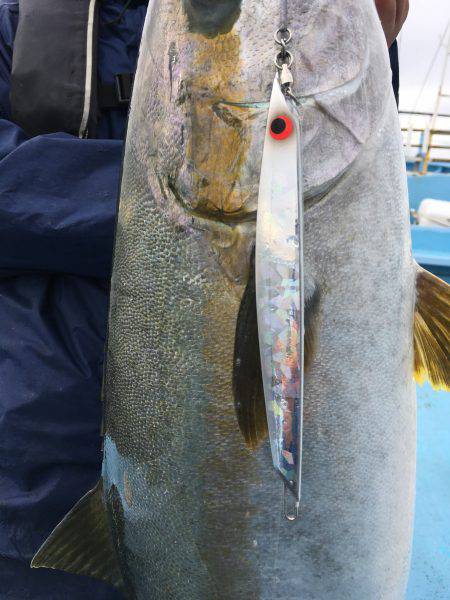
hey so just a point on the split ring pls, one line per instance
(280, 39)
(284, 58)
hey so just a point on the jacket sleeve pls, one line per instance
(58, 193)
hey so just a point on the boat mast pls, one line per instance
(440, 96)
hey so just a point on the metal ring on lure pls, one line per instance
(281, 40)
(281, 57)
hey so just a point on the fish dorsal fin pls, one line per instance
(432, 331)
(82, 542)
(247, 377)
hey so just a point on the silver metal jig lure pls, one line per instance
(280, 276)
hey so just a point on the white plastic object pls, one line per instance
(434, 213)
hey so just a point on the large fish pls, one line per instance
(189, 506)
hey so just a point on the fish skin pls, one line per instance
(196, 515)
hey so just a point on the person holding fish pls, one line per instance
(393, 14)
(60, 160)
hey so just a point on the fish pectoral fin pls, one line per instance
(432, 331)
(247, 375)
(312, 298)
(82, 542)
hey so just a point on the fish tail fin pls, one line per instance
(82, 542)
(432, 331)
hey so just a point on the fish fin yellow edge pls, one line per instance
(82, 544)
(432, 331)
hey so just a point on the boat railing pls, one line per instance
(426, 147)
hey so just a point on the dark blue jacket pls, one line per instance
(57, 210)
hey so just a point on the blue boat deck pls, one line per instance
(430, 569)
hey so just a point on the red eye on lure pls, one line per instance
(281, 128)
